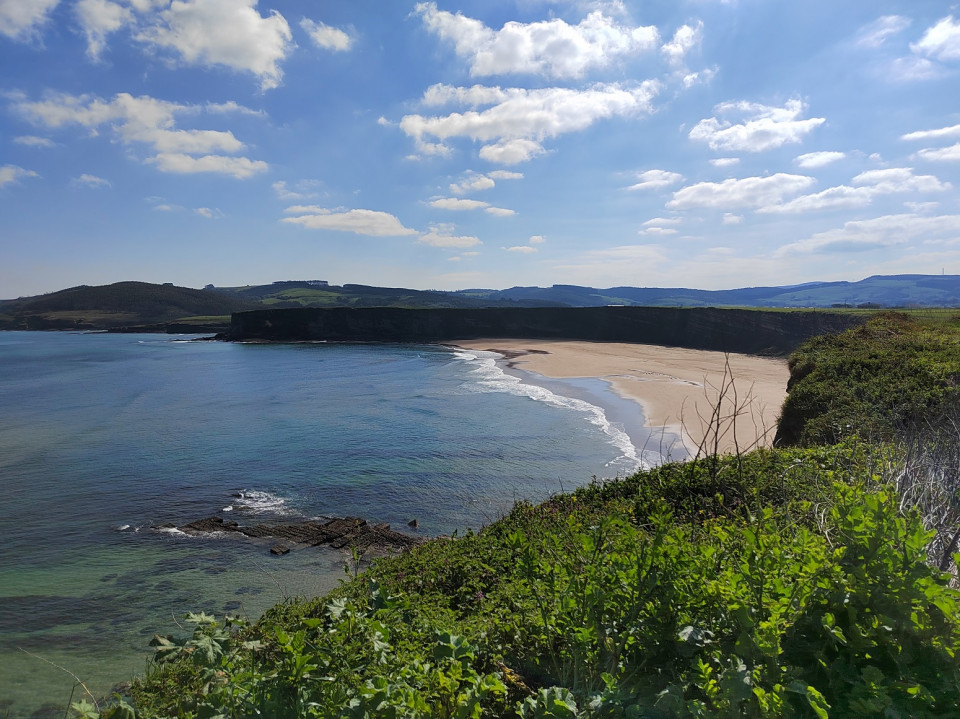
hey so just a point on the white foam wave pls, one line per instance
(256, 501)
(490, 377)
(172, 530)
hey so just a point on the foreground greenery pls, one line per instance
(804, 581)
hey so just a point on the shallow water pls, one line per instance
(103, 437)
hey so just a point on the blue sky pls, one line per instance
(698, 143)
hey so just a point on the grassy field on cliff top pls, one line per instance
(812, 580)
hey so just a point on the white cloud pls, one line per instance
(908, 69)
(441, 237)
(943, 133)
(150, 121)
(511, 152)
(12, 173)
(764, 127)
(181, 164)
(280, 189)
(877, 32)
(99, 18)
(327, 37)
(472, 182)
(522, 249)
(91, 181)
(866, 186)
(505, 175)
(725, 161)
(657, 231)
(655, 179)
(877, 233)
(899, 179)
(34, 141)
(731, 219)
(552, 47)
(662, 221)
(19, 19)
(941, 41)
(833, 198)
(814, 160)
(499, 211)
(537, 239)
(940, 154)
(224, 32)
(685, 39)
(457, 203)
(520, 119)
(360, 222)
(746, 192)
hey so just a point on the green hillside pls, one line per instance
(804, 581)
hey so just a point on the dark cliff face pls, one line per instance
(725, 330)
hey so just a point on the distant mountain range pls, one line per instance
(145, 306)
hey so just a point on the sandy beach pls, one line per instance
(678, 389)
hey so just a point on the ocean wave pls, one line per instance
(258, 502)
(490, 377)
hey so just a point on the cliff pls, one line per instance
(707, 328)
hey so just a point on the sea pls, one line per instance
(105, 438)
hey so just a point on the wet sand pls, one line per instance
(715, 402)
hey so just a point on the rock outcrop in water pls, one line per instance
(707, 328)
(346, 532)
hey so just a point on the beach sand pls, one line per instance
(678, 389)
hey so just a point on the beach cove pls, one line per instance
(677, 388)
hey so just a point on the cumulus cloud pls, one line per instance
(472, 182)
(149, 121)
(441, 236)
(899, 179)
(941, 41)
(499, 211)
(537, 239)
(877, 233)
(662, 221)
(731, 219)
(520, 119)
(552, 48)
(942, 133)
(457, 204)
(99, 18)
(522, 249)
(91, 181)
(684, 39)
(763, 127)
(865, 187)
(34, 141)
(511, 152)
(19, 19)
(655, 179)
(327, 37)
(841, 197)
(814, 160)
(12, 173)
(505, 175)
(725, 161)
(360, 222)
(940, 154)
(746, 192)
(880, 30)
(181, 164)
(230, 33)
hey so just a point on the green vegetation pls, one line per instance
(876, 380)
(805, 581)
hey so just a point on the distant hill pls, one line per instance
(145, 306)
(119, 305)
(879, 290)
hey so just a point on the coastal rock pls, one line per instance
(339, 533)
(279, 549)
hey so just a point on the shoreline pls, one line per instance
(677, 388)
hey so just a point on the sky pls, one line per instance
(449, 145)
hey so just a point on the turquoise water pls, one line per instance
(103, 437)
